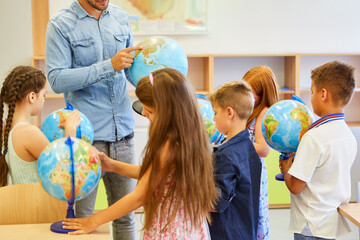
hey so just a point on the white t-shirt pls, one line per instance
(323, 160)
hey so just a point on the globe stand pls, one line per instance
(57, 227)
(280, 176)
(71, 108)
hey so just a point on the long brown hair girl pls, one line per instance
(179, 126)
(177, 171)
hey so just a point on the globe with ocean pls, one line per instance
(285, 123)
(55, 168)
(50, 126)
(158, 52)
(207, 113)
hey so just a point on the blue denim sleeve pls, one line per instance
(61, 76)
(129, 44)
(225, 178)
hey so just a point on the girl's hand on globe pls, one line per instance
(81, 225)
(107, 164)
(73, 120)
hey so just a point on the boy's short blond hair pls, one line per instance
(337, 78)
(237, 95)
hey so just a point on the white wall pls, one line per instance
(277, 26)
(15, 35)
(246, 26)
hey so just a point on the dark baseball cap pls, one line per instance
(137, 107)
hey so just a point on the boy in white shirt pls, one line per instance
(319, 177)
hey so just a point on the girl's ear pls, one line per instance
(31, 97)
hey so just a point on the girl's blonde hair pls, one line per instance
(237, 95)
(178, 124)
(20, 81)
(263, 82)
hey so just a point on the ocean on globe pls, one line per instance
(54, 169)
(207, 113)
(285, 123)
(158, 52)
(51, 130)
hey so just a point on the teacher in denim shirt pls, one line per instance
(87, 56)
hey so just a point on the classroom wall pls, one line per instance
(277, 26)
(246, 26)
(15, 35)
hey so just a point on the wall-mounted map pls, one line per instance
(166, 16)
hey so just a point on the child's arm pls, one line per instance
(225, 179)
(125, 169)
(35, 141)
(294, 184)
(261, 147)
(122, 207)
(38, 141)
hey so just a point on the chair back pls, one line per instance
(29, 203)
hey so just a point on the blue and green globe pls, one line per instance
(51, 130)
(158, 52)
(54, 169)
(285, 123)
(207, 113)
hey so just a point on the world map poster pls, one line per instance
(166, 16)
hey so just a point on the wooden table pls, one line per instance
(351, 211)
(42, 232)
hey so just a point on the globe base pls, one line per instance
(280, 177)
(57, 227)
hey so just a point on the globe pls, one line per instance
(51, 130)
(207, 113)
(158, 52)
(285, 123)
(54, 168)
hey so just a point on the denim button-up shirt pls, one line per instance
(78, 56)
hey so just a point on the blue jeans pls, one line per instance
(116, 185)
(298, 236)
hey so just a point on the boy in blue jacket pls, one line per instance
(237, 165)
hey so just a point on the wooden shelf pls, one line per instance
(256, 55)
(305, 91)
(357, 90)
(290, 91)
(54, 96)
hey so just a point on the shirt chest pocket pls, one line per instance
(120, 42)
(84, 51)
